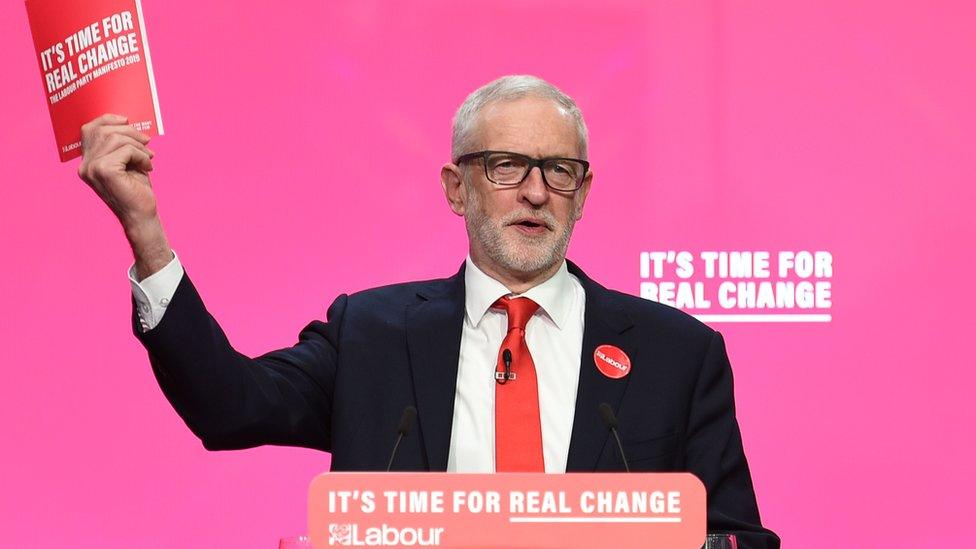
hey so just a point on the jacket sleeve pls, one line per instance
(231, 401)
(714, 453)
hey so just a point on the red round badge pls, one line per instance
(611, 361)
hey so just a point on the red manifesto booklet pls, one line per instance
(94, 59)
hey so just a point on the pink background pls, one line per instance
(304, 141)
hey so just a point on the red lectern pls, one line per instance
(507, 510)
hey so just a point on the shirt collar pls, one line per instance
(481, 291)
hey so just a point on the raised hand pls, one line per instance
(116, 163)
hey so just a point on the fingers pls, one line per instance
(107, 161)
(125, 157)
(138, 158)
(107, 175)
(119, 140)
(128, 131)
(105, 138)
(96, 135)
(105, 119)
(101, 138)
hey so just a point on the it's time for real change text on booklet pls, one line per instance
(94, 59)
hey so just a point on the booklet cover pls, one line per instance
(94, 59)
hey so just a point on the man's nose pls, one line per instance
(533, 189)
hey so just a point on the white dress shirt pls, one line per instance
(554, 336)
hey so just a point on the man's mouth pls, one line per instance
(531, 226)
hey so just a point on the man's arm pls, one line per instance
(227, 399)
(231, 401)
(714, 453)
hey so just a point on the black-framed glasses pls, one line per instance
(508, 168)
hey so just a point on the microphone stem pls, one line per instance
(393, 454)
(621, 448)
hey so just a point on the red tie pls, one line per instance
(518, 429)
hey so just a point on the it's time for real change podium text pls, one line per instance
(507, 510)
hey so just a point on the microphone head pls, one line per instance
(507, 357)
(607, 415)
(406, 420)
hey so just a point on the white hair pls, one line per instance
(510, 88)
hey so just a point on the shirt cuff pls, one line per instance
(154, 293)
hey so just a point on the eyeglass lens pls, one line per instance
(509, 169)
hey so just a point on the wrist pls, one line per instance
(143, 230)
(150, 247)
(140, 221)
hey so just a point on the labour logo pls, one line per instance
(340, 534)
(612, 361)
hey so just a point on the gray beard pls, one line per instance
(522, 257)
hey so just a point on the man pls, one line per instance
(507, 362)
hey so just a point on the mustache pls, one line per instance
(545, 217)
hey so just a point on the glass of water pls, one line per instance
(720, 541)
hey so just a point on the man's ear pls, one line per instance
(582, 193)
(453, 185)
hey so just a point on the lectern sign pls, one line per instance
(506, 510)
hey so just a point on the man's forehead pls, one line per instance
(529, 125)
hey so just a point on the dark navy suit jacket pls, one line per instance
(343, 387)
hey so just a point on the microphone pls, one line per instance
(610, 420)
(403, 429)
(502, 378)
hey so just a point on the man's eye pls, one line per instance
(562, 169)
(507, 165)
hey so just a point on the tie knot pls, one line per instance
(519, 309)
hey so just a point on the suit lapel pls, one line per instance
(434, 343)
(604, 323)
